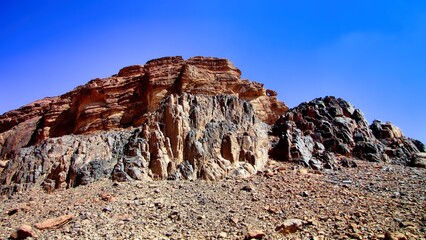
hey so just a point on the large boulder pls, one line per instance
(419, 160)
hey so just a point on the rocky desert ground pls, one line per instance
(361, 200)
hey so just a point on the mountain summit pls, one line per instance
(182, 119)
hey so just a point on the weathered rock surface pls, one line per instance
(188, 137)
(366, 202)
(126, 99)
(316, 131)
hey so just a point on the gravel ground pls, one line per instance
(370, 201)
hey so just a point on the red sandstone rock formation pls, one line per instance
(168, 119)
(126, 98)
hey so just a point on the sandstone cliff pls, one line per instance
(168, 119)
(188, 137)
(125, 99)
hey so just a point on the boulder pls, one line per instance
(419, 160)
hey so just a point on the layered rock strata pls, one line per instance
(188, 137)
(317, 131)
(126, 98)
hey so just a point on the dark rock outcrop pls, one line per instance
(317, 131)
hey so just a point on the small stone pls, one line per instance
(223, 234)
(80, 202)
(174, 215)
(54, 222)
(247, 188)
(289, 226)
(124, 217)
(107, 197)
(312, 222)
(255, 234)
(354, 236)
(407, 224)
(15, 210)
(396, 195)
(389, 236)
(269, 173)
(281, 169)
(304, 194)
(303, 171)
(234, 220)
(106, 209)
(379, 236)
(23, 232)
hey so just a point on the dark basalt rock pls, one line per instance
(333, 126)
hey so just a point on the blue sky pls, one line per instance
(371, 53)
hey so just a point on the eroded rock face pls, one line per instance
(316, 131)
(126, 99)
(188, 137)
(182, 119)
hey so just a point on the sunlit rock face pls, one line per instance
(168, 119)
(126, 99)
(188, 137)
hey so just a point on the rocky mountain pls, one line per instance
(182, 119)
(324, 131)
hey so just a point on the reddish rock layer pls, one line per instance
(126, 98)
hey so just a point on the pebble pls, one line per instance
(255, 234)
(106, 209)
(289, 226)
(247, 188)
(304, 194)
(24, 231)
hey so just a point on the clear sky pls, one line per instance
(371, 53)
